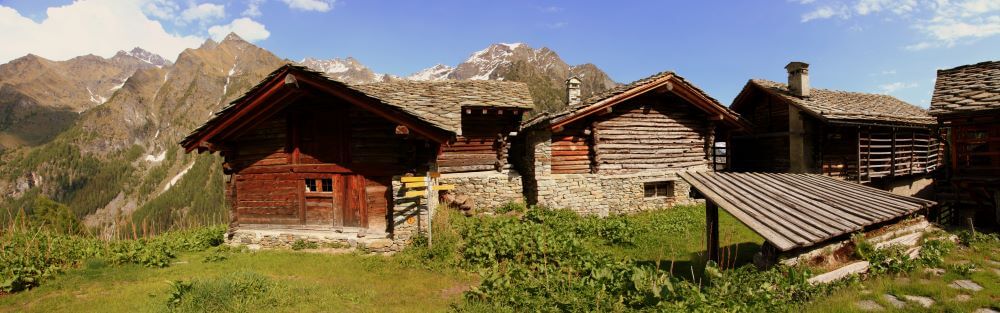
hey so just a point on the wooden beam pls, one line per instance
(712, 231)
(269, 89)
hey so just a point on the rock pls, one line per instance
(868, 305)
(253, 247)
(962, 298)
(922, 301)
(379, 244)
(934, 271)
(985, 310)
(853, 268)
(894, 301)
(965, 284)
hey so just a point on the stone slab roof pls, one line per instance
(438, 103)
(610, 94)
(441, 102)
(968, 88)
(846, 106)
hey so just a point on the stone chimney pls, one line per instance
(573, 91)
(798, 78)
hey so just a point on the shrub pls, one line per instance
(29, 256)
(302, 244)
(543, 262)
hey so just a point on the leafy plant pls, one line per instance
(302, 244)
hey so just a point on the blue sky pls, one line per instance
(880, 46)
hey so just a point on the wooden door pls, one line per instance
(355, 209)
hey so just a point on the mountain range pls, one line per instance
(100, 134)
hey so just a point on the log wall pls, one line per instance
(571, 153)
(766, 149)
(484, 144)
(650, 133)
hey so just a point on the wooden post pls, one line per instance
(712, 230)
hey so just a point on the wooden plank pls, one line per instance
(422, 184)
(765, 231)
(412, 179)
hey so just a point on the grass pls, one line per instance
(675, 238)
(434, 279)
(308, 281)
(919, 283)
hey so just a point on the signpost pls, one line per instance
(423, 188)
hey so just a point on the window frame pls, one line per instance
(661, 189)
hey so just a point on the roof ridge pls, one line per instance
(962, 67)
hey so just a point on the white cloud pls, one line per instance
(949, 30)
(203, 12)
(920, 46)
(253, 8)
(161, 9)
(944, 23)
(247, 28)
(101, 27)
(825, 12)
(310, 5)
(893, 87)
(865, 7)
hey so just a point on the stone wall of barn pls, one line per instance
(489, 189)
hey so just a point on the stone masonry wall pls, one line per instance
(488, 189)
(609, 194)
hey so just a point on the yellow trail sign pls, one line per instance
(416, 185)
(418, 193)
(412, 179)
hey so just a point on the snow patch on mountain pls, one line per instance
(148, 57)
(173, 181)
(156, 158)
(436, 72)
(348, 70)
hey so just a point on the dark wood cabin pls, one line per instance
(305, 152)
(866, 138)
(966, 103)
(620, 150)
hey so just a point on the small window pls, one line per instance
(659, 189)
(319, 185)
(327, 185)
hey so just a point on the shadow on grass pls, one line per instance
(693, 268)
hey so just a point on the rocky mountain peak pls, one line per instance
(348, 70)
(436, 72)
(233, 37)
(144, 56)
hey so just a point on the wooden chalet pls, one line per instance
(868, 138)
(966, 103)
(306, 153)
(620, 150)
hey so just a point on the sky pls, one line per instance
(877, 46)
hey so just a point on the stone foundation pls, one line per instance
(488, 189)
(255, 239)
(601, 194)
(907, 233)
